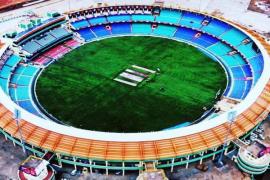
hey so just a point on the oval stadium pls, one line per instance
(144, 87)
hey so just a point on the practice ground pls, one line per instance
(79, 89)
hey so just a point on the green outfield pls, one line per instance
(81, 91)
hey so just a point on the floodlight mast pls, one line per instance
(17, 117)
(231, 119)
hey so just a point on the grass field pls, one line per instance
(79, 89)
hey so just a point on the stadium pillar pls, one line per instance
(107, 172)
(187, 161)
(226, 150)
(58, 156)
(90, 162)
(74, 160)
(140, 165)
(17, 117)
(214, 155)
(14, 144)
(123, 168)
(220, 161)
(172, 165)
(201, 157)
(33, 151)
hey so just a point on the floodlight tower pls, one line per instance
(231, 118)
(17, 117)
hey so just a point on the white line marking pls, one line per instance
(125, 82)
(138, 67)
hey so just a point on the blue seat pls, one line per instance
(80, 24)
(164, 30)
(121, 28)
(209, 39)
(237, 91)
(141, 28)
(21, 80)
(227, 90)
(4, 85)
(257, 65)
(247, 70)
(14, 78)
(5, 72)
(119, 18)
(205, 40)
(247, 50)
(22, 93)
(216, 27)
(20, 69)
(234, 60)
(192, 20)
(30, 70)
(238, 73)
(233, 37)
(169, 16)
(12, 94)
(247, 88)
(142, 17)
(97, 20)
(100, 31)
(185, 33)
(220, 49)
(28, 105)
(13, 60)
(185, 124)
(86, 34)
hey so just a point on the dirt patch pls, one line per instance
(10, 158)
(260, 6)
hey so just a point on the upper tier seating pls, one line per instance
(38, 30)
(187, 19)
(32, 47)
(192, 20)
(46, 41)
(98, 20)
(216, 27)
(143, 17)
(80, 24)
(169, 16)
(197, 29)
(204, 40)
(119, 18)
